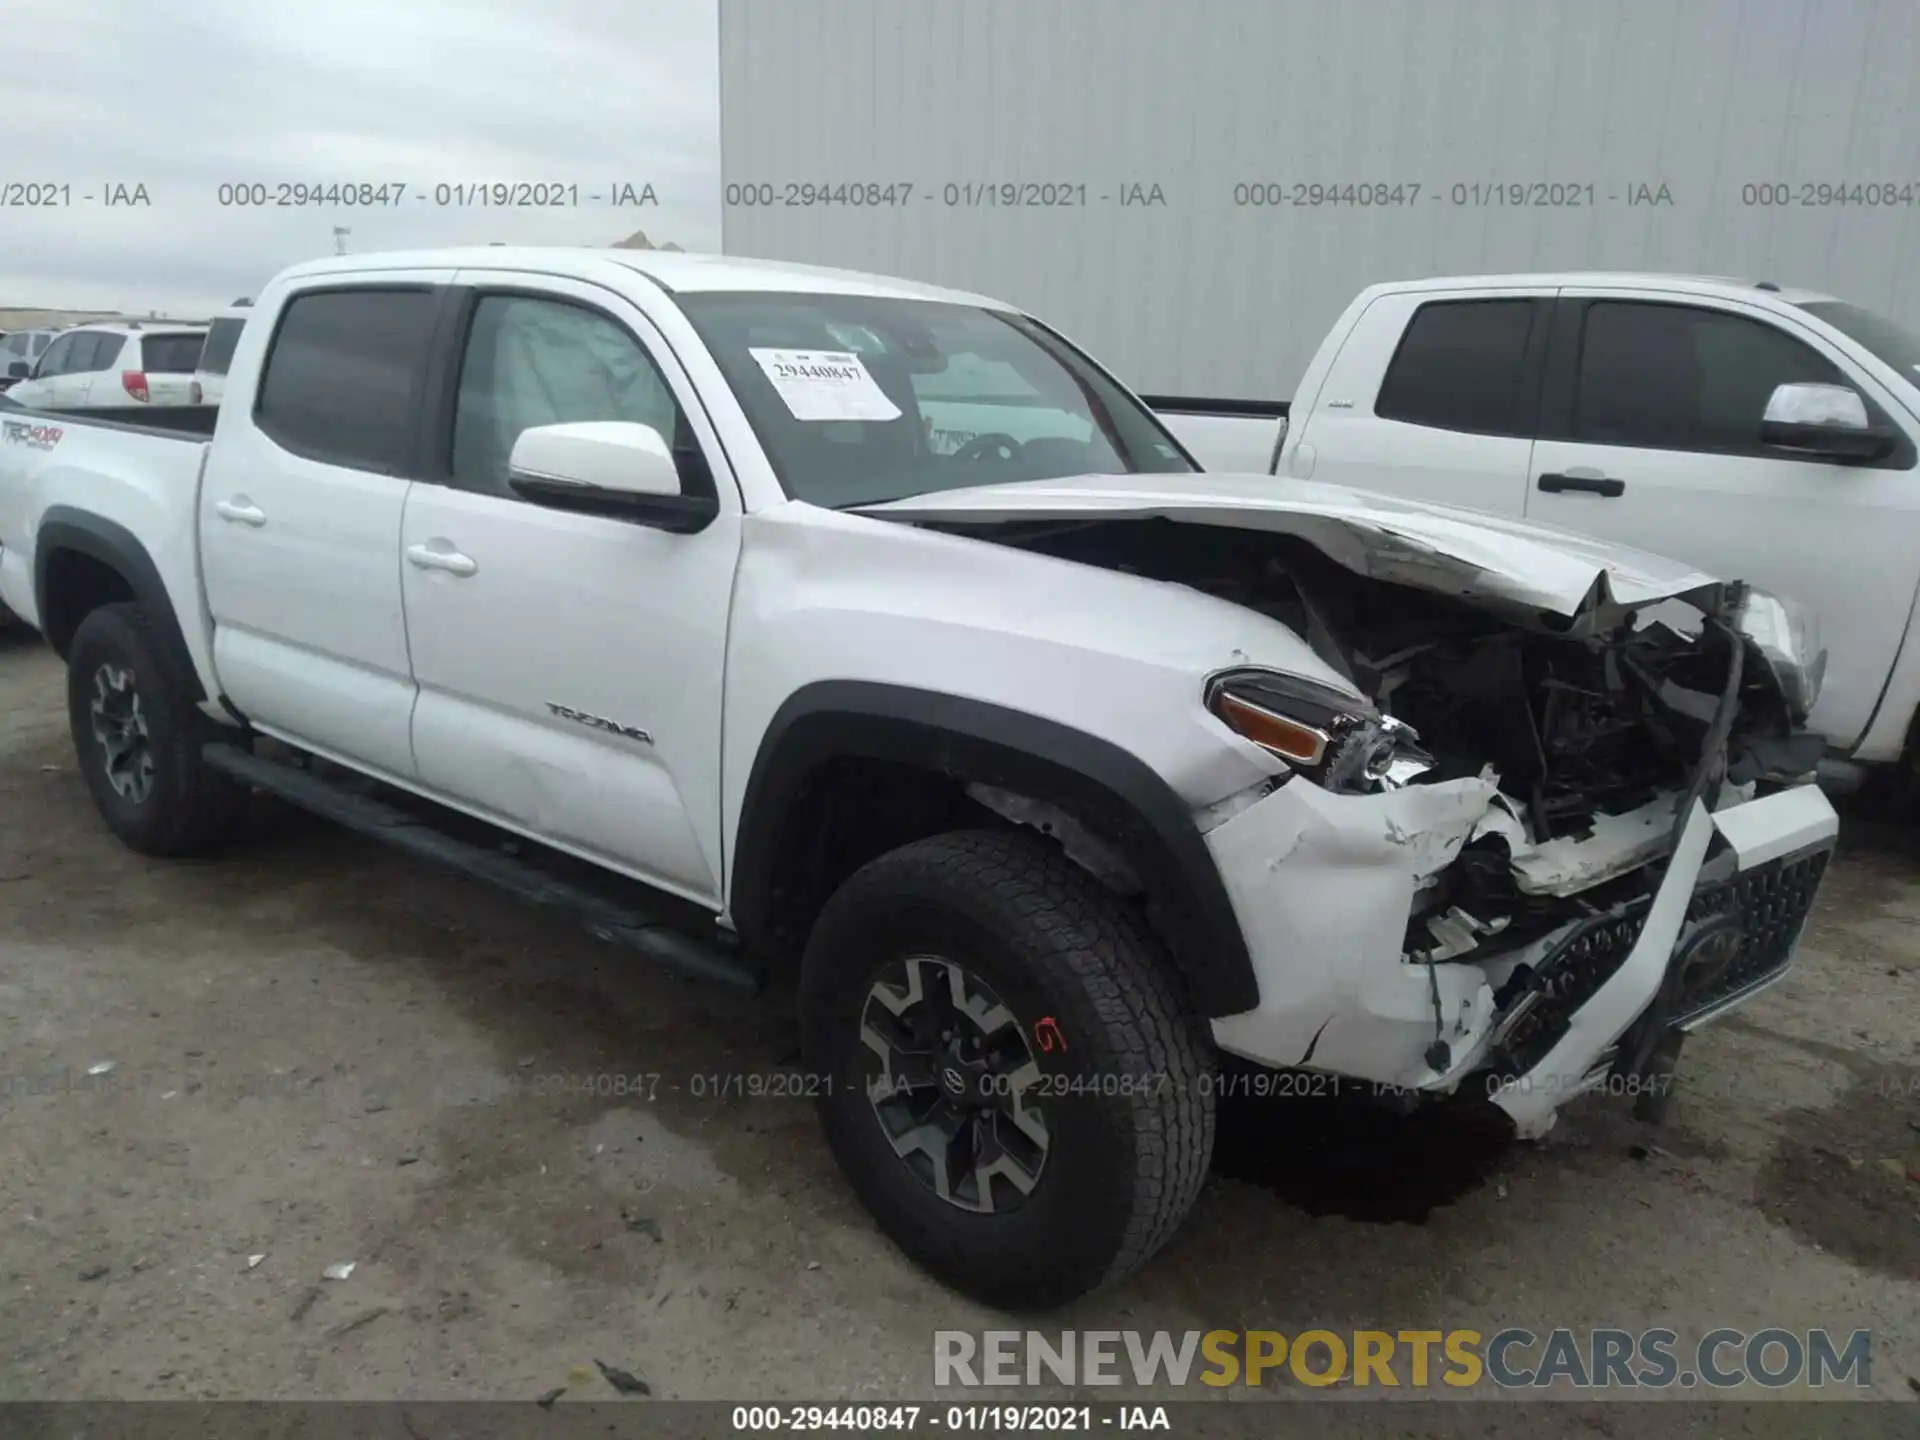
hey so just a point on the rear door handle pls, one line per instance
(1594, 484)
(430, 557)
(241, 511)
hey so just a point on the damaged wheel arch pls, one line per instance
(973, 742)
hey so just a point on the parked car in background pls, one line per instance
(1745, 428)
(1050, 770)
(18, 350)
(115, 364)
(210, 375)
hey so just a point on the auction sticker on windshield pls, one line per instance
(825, 385)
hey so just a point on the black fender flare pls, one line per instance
(1098, 782)
(62, 527)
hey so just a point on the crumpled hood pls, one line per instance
(1509, 564)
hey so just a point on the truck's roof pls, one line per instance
(137, 327)
(1717, 285)
(674, 269)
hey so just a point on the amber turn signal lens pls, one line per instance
(1288, 739)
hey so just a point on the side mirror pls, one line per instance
(606, 467)
(1825, 422)
(19, 370)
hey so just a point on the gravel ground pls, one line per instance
(325, 1053)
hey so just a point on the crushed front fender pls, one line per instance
(1323, 885)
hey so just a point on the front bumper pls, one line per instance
(1323, 886)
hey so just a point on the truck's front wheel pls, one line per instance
(1010, 1073)
(137, 735)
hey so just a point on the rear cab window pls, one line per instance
(340, 375)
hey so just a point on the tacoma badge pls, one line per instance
(600, 722)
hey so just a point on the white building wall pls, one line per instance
(1465, 99)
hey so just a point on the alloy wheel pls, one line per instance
(120, 727)
(949, 1083)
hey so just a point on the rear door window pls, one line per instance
(100, 352)
(170, 354)
(341, 372)
(1462, 366)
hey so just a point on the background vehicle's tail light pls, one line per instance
(134, 382)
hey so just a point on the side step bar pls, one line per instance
(604, 918)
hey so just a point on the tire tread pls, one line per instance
(1098, 944)
(208, 805)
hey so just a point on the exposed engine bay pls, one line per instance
(1574, 725)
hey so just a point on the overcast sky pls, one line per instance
(181, 96)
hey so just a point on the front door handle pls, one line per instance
(1594, 484)
(430, 557)
(241, 511)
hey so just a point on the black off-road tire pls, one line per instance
(187, 808)
(1128, 1067)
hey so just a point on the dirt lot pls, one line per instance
(324, 1053)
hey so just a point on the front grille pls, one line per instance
(1575, 969)
(1566, 978)
(1770, 903)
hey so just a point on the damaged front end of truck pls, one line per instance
(1554, 817)
(1533, 856)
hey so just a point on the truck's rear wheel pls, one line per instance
(1011, 1075)
(137, 735)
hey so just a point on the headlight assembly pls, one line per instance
(1787, 636)
(1337, 740)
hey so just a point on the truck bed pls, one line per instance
(1227, 436)
(117, 472)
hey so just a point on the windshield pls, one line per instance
(1894, 344)
(858, 399)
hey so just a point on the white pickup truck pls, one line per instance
(1750, 430)
(1053, 769)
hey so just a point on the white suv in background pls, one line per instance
(133, 362)
(210, 375)
(20, 349)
